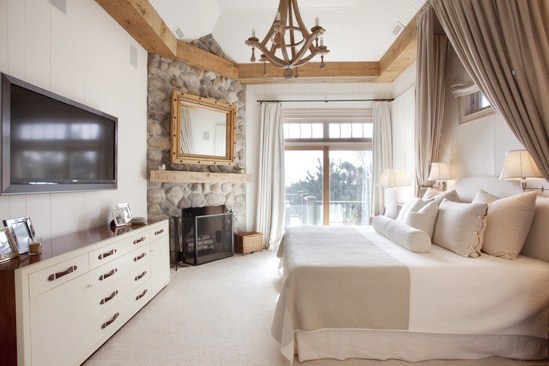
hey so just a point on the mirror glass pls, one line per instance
(202, 130)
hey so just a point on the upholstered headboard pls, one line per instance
(537, 243)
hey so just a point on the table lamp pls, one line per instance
(519, 165)
(439, 174)
(390, 179)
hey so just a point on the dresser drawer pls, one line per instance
(107, 297)
(51, 277)
(117, 249)
(160, 231)
(111, 272)
(110, 321)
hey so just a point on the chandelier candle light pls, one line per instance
(288, 43)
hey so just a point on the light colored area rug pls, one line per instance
(220, 313)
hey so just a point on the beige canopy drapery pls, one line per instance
(503, 46)
(431, 69)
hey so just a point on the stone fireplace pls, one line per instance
(167, 199)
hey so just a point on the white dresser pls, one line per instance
(69, 304)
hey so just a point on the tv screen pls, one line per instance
(53, 144)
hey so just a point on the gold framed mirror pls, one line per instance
(202, 131)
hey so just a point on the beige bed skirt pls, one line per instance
(341, 344)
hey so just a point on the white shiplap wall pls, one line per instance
(82, 55)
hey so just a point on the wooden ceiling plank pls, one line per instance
(142, 22)
(400, 55)
(196, 57)
(310, 72)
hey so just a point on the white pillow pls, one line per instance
(406, 236)
(405, 208)
(423, 218)
(431, 192)
(507, 223)
(460, 227)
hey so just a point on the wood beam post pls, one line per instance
(400, 55)
(143, 23)
(194, 56)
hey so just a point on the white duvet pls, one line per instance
(485, 295)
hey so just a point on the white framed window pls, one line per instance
(474, 106)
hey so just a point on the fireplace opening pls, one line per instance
(206, 234)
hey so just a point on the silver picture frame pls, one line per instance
(22, 232)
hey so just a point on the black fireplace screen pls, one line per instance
(207, 234)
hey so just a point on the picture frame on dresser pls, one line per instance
(8, 248)
(127, 212)
(119, 217)
(22, 232)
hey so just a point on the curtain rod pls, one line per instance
(324, 100)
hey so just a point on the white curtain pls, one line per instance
(271, 186)
(382, 152)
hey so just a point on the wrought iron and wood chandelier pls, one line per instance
(288, 43)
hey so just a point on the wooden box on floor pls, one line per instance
(248, 242)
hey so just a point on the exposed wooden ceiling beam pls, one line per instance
(143, 23)
(400, 55)
(194, 56)
(310, 72)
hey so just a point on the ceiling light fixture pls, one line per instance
(288, 43)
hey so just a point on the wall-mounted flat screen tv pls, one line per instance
(53, 144)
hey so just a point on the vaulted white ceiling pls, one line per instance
(356, 30)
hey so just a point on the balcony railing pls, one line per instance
(303, 209)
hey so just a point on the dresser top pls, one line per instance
(66, 243)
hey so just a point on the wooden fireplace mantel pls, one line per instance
(176, 176)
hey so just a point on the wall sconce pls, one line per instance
(439, 174)
(519, 165)
(390, 179)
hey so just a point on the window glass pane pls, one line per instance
(334, 130)
(285, 128)
(484, 102)
(318, 131)
(368, 130)
(350, 184)
(294, 130)
(345, 130)
(357, 130)
(304, 172)
(305, 130)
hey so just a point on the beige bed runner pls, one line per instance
(337, 278)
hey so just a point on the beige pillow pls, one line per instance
(406, 236)
(507, 223)
(423, 218)
(484, 197)
(431, 192)
(449, 195)
(460, 227)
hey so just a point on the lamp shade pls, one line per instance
(392, 178)
(519, 165)
(439, 171)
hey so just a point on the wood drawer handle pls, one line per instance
(159, 232)
(137, 278)
(106, 324)
(139, 257)
(107, 254)
(108, 298)
(57, 275)
(107, 275)
(141, 295)
(137, 241)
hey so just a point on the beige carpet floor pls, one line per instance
(220, 314)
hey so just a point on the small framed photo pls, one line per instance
(22, 232)
(119, 217)
(127, 212)
(8, 248)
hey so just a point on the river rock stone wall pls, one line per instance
(167, 199)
